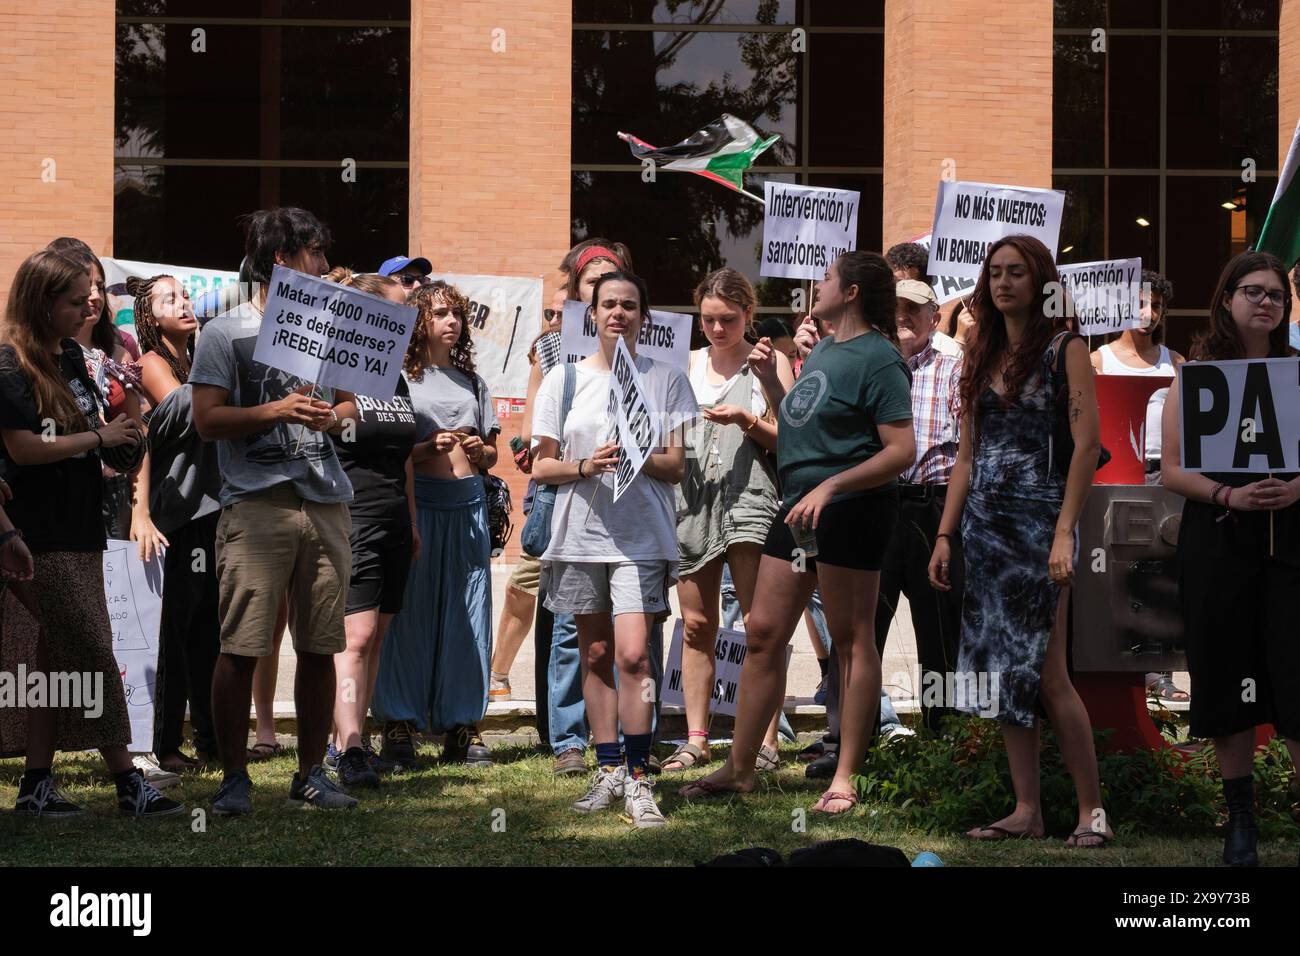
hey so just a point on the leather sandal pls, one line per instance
(832, 795)
(686, 756)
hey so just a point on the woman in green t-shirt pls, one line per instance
(845, 436)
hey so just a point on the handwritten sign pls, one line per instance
(133, 592)
(635, 417)
(505, 315)
(333, 335)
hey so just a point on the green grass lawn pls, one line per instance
(446, 815)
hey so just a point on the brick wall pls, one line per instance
(991, 111)
(490, 149)
(56, 74)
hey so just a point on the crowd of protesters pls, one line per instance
(818, 470)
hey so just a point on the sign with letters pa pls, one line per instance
(1240, 416)
(333, 335)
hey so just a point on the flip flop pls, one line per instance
(263, 751)
(828, 797)
(1072, 842)
(686, 756)
(1006, 834)
(707, 791)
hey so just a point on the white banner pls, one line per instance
(946, 288)
(667, 337)
(1105, 295)
(970, 216)
(117, 271)
(806, 228)
(636, 418)
(333, 335)
(505, 315)
(1240, 416)
(728, 659)
(133, 591)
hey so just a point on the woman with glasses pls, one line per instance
(1239, 562)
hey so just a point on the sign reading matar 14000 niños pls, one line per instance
(1241, 416)
(970, 216)
(333, 335)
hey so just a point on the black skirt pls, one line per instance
(1242, 623)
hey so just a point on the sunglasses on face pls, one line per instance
(410, 282)
(553, 315)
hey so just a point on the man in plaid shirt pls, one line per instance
(936, 615)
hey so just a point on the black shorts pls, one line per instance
(381, 560)
(851, 533)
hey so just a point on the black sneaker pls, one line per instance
(234, 797)
(354, 769)
(43, 799)
(138, 798)
(824, 767)
(398, 749)
(318, 792)
(465, 745)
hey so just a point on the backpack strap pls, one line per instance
(566, 401)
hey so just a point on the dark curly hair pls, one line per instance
(426, 298)
(908, 256)
(146, 324)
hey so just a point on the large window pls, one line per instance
(661, 69)
(1166, 140)
(227, 107)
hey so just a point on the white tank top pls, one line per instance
(1111, 365)
(706, 393)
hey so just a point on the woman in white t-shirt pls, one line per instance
(610, 563)
(726, 503)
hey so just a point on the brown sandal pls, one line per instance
(686, 757)
(703, 790)
(767, 760)
(830, 795)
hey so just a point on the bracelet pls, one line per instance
(334, 418)
(1227, 499)
(942, 534)
(750, 427)
(7, 536)
(581, 462)
(100, 437)
(1214, 493)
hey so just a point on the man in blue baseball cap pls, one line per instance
(410, 272)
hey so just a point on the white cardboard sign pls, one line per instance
(1106, 295)
(635, 417)
(133, 592)
(970, 216)
(728, 659)
(1240, 416)
(666, 338)
(504, 317)
(806, 228)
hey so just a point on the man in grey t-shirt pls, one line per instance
(284, 527)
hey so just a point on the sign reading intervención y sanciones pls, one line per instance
(504, 318)
(728, 659)
(806, 228)
(1105, 296)
(635, 417)
(333, 335)
(970, 216)
(1240, 416)
(665, 338)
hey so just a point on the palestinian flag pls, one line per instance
(721, 151)
(1281, 232)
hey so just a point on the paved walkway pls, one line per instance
(900, 671)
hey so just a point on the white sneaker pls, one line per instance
(895, 731)
(606, 786)
(154, 775)
(639, 803)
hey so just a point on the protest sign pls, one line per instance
(116, 271)
(505, 315)
(665, 338)
(946, 288)
(1105, 295)
(1240, 416)
(970, 216)
(133, 592)
(806, 228)
(728, 658)
(636, 418)
(333, 335)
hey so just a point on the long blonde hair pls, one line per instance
(28, 329)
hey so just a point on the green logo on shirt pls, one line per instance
(804, 399)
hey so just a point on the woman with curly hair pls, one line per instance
(433, 668)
